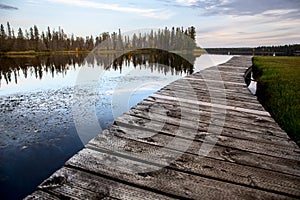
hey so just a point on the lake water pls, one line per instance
(37, 129)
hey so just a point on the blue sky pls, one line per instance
(219, 23)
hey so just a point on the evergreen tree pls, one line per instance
(20, 43)
(2, 38)
(36, 38)
(2, 32)
(9, 31)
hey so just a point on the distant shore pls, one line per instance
(38, 53)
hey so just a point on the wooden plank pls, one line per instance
(239, 61)
(227, 78)
(246, 145)
(230, 68)
(184, 119)
(82, 185)
(215, 112)
(235, 73)
(163, 180)
(212, 77)
(214, 81)
(220, 106)
(219, 75)
(205, 115)
(40, 195)
(215, 86)
(203, 166)
(209, 93)
(204, 85)
(162, 139)
(232, 128)
(207, 98)
(201, 108)
(226, 65)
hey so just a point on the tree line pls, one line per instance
(57, 40)
(283, 50)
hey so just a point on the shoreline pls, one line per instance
(39, 53)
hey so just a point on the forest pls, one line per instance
(57, 40)
(281, 50)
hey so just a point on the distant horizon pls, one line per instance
(219, 23)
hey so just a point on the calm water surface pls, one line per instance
(37, 132)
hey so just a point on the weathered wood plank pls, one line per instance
(203, 166)
(181, 118)
(239, 61)
(214, 85)
(204, 87)
(73, 183)
(232, 128)
(220, 106)
(246, 145)
(208, 95)
(204, 114)
(40, 195)
(250, 119)
(175, 183)
(226, 84)
(234, 73)
(226, 78)
(210, 99)
(230, 69)
(194, 107)
(208, 108)
(162, 139)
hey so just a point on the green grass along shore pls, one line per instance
(278, 90)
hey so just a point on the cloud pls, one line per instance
(242, 7)
(288, 9)
(187, 2)
(151, 13)
(245, 22)
(257, 30)
(7, 7)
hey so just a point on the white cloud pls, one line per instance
(279, 12)
(187, 2)
(151, 13)
(253, 7)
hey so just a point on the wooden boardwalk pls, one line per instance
(153, 150)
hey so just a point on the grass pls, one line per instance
(279, 90)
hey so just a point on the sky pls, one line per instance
(219, 23)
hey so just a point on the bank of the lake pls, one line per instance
(38, 53)
(279, 90)
(195, 52)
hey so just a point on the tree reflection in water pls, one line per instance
(157, 60)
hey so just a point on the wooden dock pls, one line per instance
(156, 150)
